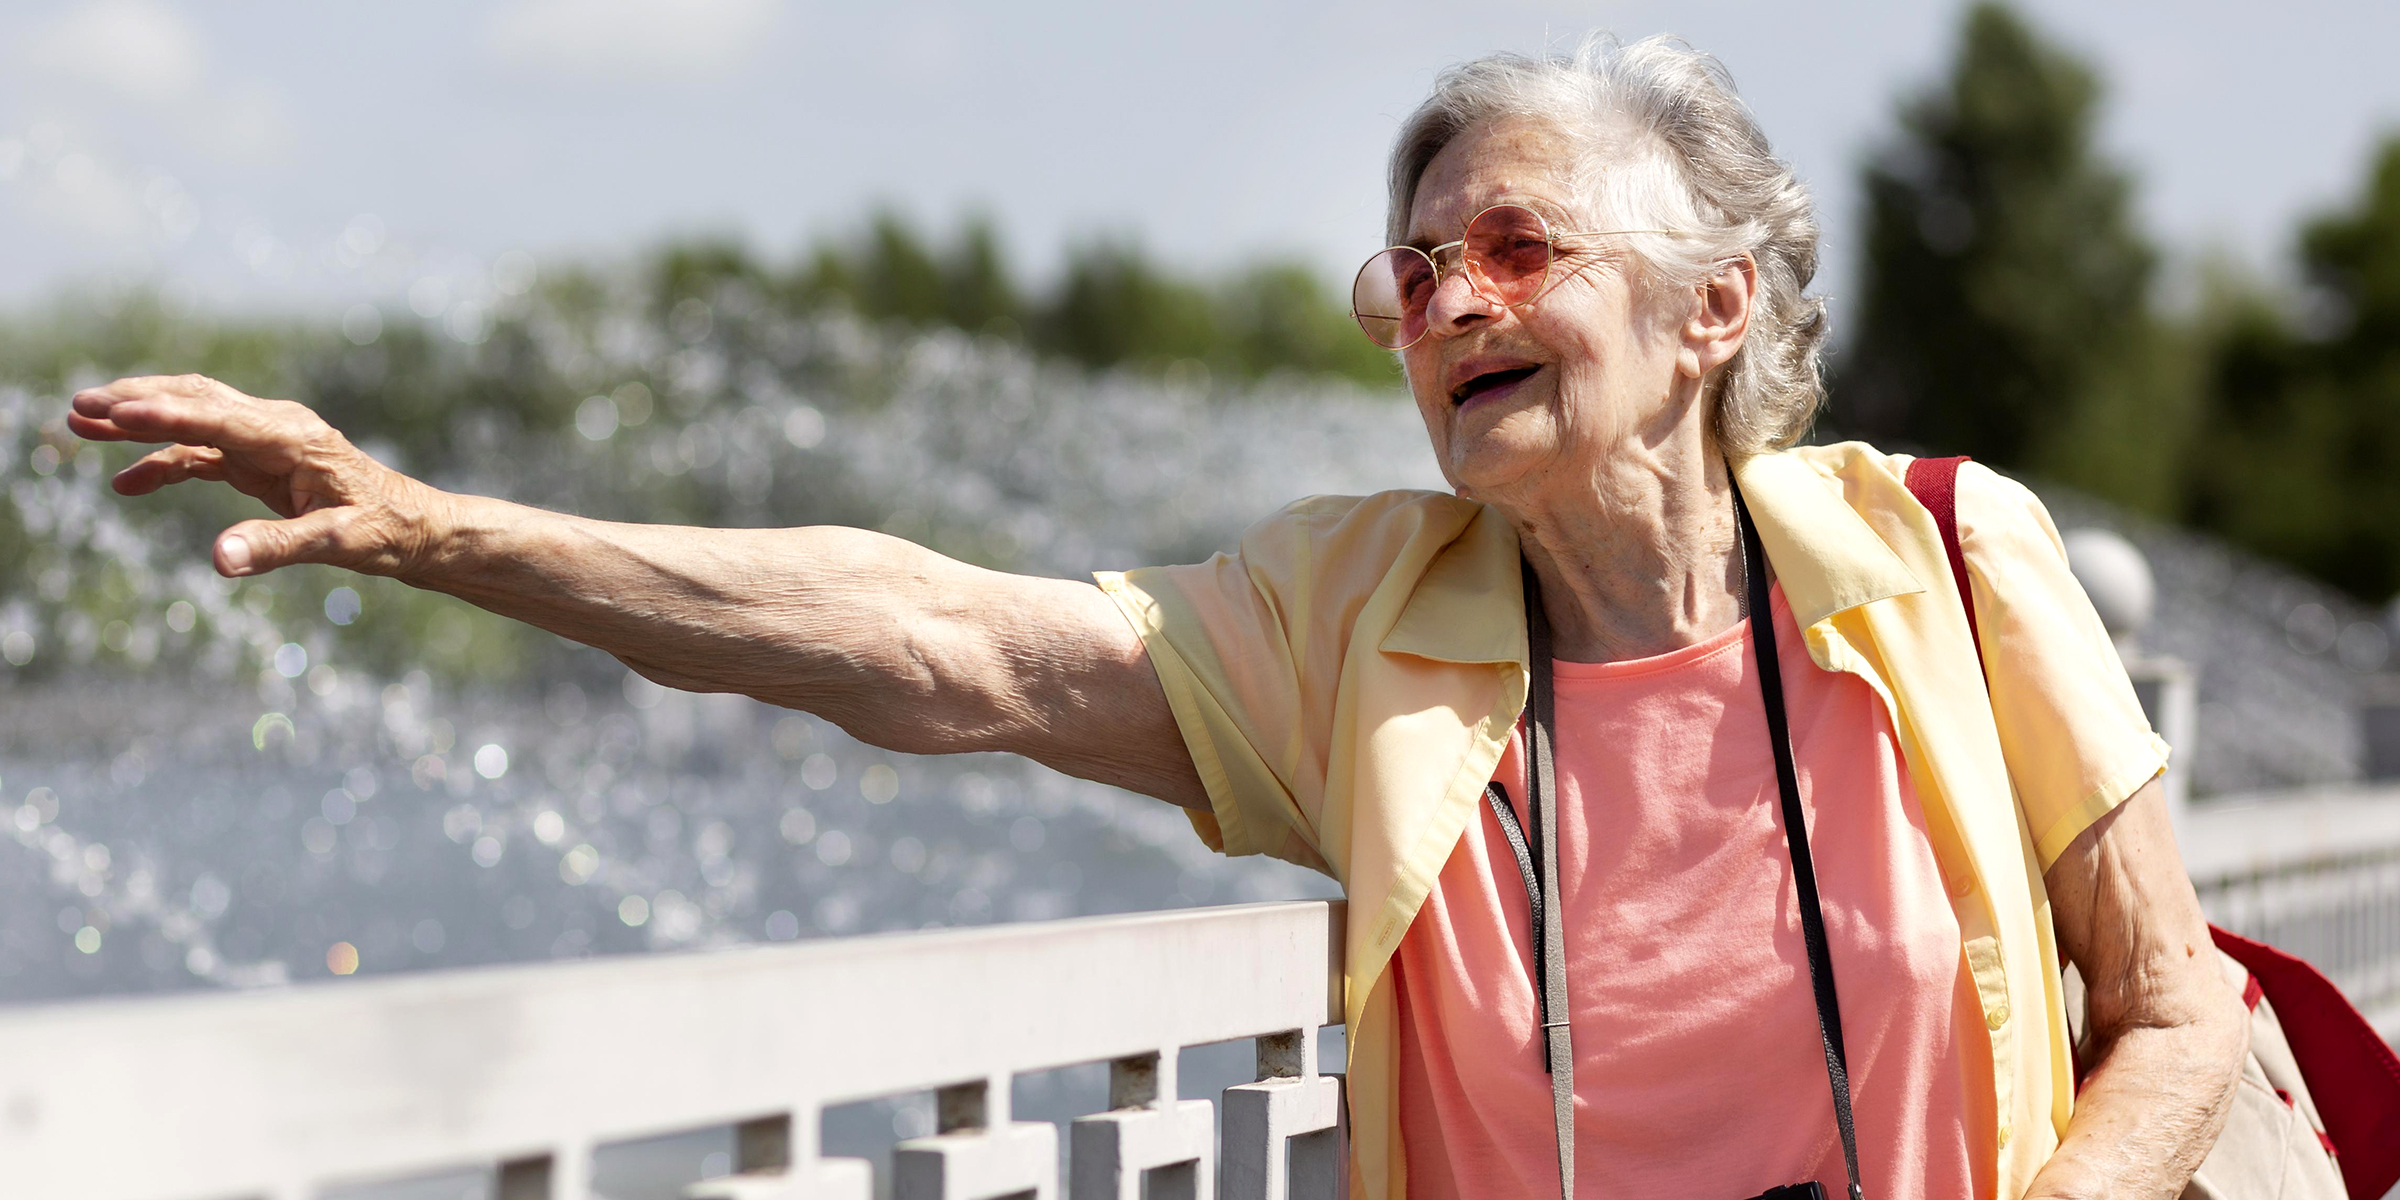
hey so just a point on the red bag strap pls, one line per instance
(1934, 482)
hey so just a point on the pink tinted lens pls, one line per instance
(1508, 249)
(1390, 296)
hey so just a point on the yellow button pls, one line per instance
(1997, 1017)
(2004, 1136)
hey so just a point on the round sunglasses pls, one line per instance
(1505, 254)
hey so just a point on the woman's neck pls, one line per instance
(1640, 554)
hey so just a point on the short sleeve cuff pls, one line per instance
(1222, 828)
(2118, 787)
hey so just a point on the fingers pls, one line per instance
(171, 465)
(190, 409)
(256, 547)
(92, 413)
(95, 429)
(338, 501)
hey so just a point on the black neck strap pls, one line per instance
(1795, 837)
(1538, 861)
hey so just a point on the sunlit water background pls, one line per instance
(209, 784)
(206, 784)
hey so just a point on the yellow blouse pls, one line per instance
(1346, 680)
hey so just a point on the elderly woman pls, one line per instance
(1548, 731)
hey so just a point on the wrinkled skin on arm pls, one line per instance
(2167, 1035)
(902, 647)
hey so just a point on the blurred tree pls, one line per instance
(1278, 317)
(977, 292)
(898, 278)
(826, 276)
(696, 269)
(407, 394)
(892, 273)
(1116, 307)
(2299, 457)
(2006, 291)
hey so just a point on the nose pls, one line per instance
(1458, 305)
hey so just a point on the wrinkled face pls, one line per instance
(1518, 398)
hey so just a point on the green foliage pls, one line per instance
(1113, 306)
(2006, 289)
(977, 292)
(2299, 456)
(135, 333)
(2007, 315)
(905, 281)
(1273, 317)
(695, 355)
(73, 565)
(697, 269)
(1117, 307)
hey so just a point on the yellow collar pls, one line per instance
(1826, 556)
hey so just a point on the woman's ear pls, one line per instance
(1721, 319)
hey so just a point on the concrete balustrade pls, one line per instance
(1147, 1134)
(1297, 1115)
(524, 1070)
(2315, 872)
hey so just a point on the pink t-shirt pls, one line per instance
(1699, 1074)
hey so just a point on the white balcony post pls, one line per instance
(775, 1158)
(562, 1174)
(1148, 1129)
(2169, 692)
(1286, 1136)
(977, 1152)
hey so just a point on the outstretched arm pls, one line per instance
(903, 647)
(2168, 1034)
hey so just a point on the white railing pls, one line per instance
(2314, 872)
(524, 1071)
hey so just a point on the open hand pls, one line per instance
(338, 505)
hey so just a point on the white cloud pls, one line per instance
(245, 122)
(132, 48)
(611, 40)
(90, 199)
(143, 59)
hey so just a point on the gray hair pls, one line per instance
(1666, 143)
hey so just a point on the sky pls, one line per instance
(305, 156)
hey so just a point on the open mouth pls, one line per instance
(1490, 381)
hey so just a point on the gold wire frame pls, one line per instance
(1475, 278)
